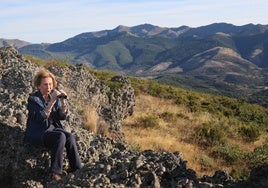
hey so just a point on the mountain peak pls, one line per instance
(122, 28)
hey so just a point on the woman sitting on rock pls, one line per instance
(46, 107)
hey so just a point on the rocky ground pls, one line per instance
(108, 162)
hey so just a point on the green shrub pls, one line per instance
(249, 132)
(240, 173)
(229, 153)
(181, 115)
(247, 113)
(181, 99)
(259, 156)
(148, 121)
(194, 103)
(208, 134)
(205, 161)
(168, 116)
(162, 91)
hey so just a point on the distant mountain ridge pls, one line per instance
(13, 42)
(220, 57)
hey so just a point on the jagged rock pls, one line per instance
(108, 162)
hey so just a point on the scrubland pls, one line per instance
(212, 132)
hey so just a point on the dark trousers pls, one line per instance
(58, 139)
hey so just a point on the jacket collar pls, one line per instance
(39, 99)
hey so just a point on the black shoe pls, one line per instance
(56, 177)
(73, 170)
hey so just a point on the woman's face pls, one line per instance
(46, 85)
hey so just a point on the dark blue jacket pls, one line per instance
(37, 122)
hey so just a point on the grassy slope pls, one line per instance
(212, 132)
(174, 132)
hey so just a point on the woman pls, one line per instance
(46, 107)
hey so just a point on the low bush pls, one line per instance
(181, 115)
(259, 156)
(147, 121)
(240, 173)
(230, 154)
(168, 116)
(209, 135)
(205, 161)
(249, 132)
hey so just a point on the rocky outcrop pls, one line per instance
(108, 162)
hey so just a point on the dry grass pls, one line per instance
(91, 118)
(96, 124)
(175, 135)
(169, 136)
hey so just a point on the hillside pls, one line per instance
(218, 58)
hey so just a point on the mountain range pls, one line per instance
(219, 58)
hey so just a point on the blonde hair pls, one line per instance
(43, 73)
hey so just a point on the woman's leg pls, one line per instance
(55, 140)
(72, 151)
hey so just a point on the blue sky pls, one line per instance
(53, 21)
